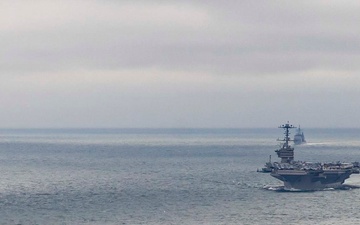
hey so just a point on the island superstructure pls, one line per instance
(299, 175)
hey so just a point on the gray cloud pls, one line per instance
(236, 37)
(170, 63)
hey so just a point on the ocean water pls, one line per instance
(166, 176)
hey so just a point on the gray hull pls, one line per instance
(312, 180)
(299, 139)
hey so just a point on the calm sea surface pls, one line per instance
(166, 176)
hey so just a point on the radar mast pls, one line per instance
(286, 152)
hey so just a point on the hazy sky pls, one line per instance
(114, 63)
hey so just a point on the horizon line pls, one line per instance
(157, 128)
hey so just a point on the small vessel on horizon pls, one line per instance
(307, 176)
(299, 137)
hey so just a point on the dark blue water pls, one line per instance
(166, 176)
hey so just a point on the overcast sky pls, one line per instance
(119, 63)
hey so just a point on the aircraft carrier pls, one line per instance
(299, 175)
